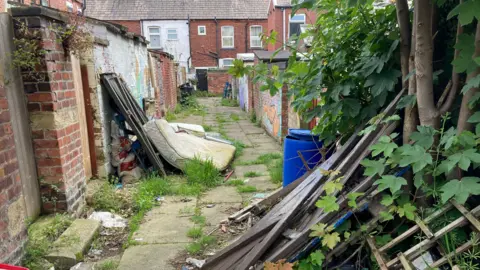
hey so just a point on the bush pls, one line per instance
(229, 102)
(107, 199)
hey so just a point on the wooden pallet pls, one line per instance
(403, 259)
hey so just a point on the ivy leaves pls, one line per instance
(460, 190)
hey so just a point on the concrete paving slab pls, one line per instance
(175, 206)
(262, 183)
(267, 146)
(246, 158)
(255, 151)
(163, 229)
(261, 138)
(73, 243)
(219, 212)
(253, 130)
(222, 195)
(241, 170)
(150, 257)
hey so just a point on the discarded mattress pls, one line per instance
(196, 130)
(177, 148)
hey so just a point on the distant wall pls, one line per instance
(217, 79)
(132, 26)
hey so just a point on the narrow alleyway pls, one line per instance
(162, 237)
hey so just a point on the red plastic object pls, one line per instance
(11, 267)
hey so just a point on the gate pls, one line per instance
(243, 92)
(202, 83)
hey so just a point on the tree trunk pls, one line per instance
(411, 112)
(427, 110)
(403, 18)
(465, 111)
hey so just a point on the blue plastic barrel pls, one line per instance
(309, 145)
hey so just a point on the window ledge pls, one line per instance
(228, 49)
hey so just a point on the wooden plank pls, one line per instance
(457, 251)
(131, 112)
(424, 228)
(89, 119)
(423, 246)
(11, 79)
(274, 215)
(376, 253)
(467, 215)
(415, 228)
(403, 260)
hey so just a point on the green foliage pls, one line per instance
(246, 189)
(390, 182)
(464, 61)
(202, 172)
(107, 199)
(466, 11)
(235, 182)
(460, 190)
(275, 170)
(107, 265)
(328, 204)
(252, 174)
(200, 245)
(234, 117)
(195, 232)
(229, 102)
(28, 54)
(198, 220)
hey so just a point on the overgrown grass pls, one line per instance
(200, 245)
(207, 128)
(252, 174)
(246, 189)
(195, 232)
(263, 159)
(239, 148)
(200, 172)
(199, 93)
(235, 117)
(220, 119)
(189, 106)
(41, 239)
(275, 171)
(253, 117)
(229, 102)
(107, 265)
(235, 182)
(107, 199)
(198, 219)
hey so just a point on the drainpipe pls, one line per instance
(216, 40)
(189, 42)
(284, 31)
(247, 35)
(84, 7)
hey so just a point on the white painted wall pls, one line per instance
(180, 48)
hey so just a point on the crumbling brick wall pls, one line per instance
(217, 79)
(132, 26)
(12, 207)
(169, 80)
(54, 121)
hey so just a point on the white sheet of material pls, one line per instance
(177, 148)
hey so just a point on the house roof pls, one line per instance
(134, 10)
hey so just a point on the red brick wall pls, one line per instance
(284, 113)
(217, 79)
(2, 5)
(202, 45)
(55, 127)
(168, 81)
(57, 4)
(11, 241)
(133, 26)
(275, 22)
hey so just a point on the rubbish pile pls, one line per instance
(283, 231)
(139, 143)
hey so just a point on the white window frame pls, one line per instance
(69, 6)
(222, 61)
(159, 34)
(204, 30)
(252, 38)
(301, 22)
(44, 3)
(176, 33)
(233, 37)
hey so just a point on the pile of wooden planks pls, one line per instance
(135, 116)
(283, 232)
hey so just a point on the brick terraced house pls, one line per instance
(74, 6)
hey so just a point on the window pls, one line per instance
(44, 3)
(255, 39)
(202, 30)
(172, 34)
(227, 37)
(154, 37)
(226, 62)
(295, 24)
